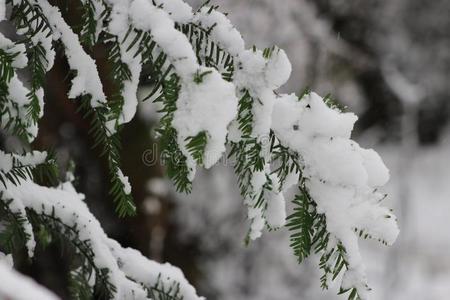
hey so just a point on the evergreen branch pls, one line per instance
(300, 224)
(59, 231)
(13, 235)
(208, 52)
(196, 146)
(87, 29)
(29, 19)
(309, 233)
(42, 172)
(6, 66)
(288, 161)
(30, 22)
(79, 287)
(11, 119)
(160, 292)
(38, 68)
(247, 152)
(175, 161)
(111, 148)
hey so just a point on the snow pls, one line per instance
(16, 206)
(118, 26)
(178, 10)
(208, 106)
(147, 17)
(21, 60)
(32, 158)
(276, 205)
(69, 208)
(139, 268)
(260, 75)
(278, 69)
(257, 222)
(223, 31)
(210, 101)
(86, 80)
(6, 162)
(125, 182)
(17, 92)
(40, 38)
(342, 178)
(15, 286)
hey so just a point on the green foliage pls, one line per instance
(333, 103)
(174, 159)
(6, 68)
(79, 288)
(198, 77)
(286, 162)
(87, 30)
(45, 172)
(308, 234)
(13, 122)
(12, 237)
(111, 147)
(196, 146)
(208, 53)
(160, 292)
(29, 19)
(300, 223)
(69, 240)
(308, 230)
(38, 68)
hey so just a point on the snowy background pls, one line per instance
(388, 61)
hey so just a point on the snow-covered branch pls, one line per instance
(216, 95)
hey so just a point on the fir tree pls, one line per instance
(217, 97)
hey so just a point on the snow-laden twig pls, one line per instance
(67, 207)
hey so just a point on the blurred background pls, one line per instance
(388, 61)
